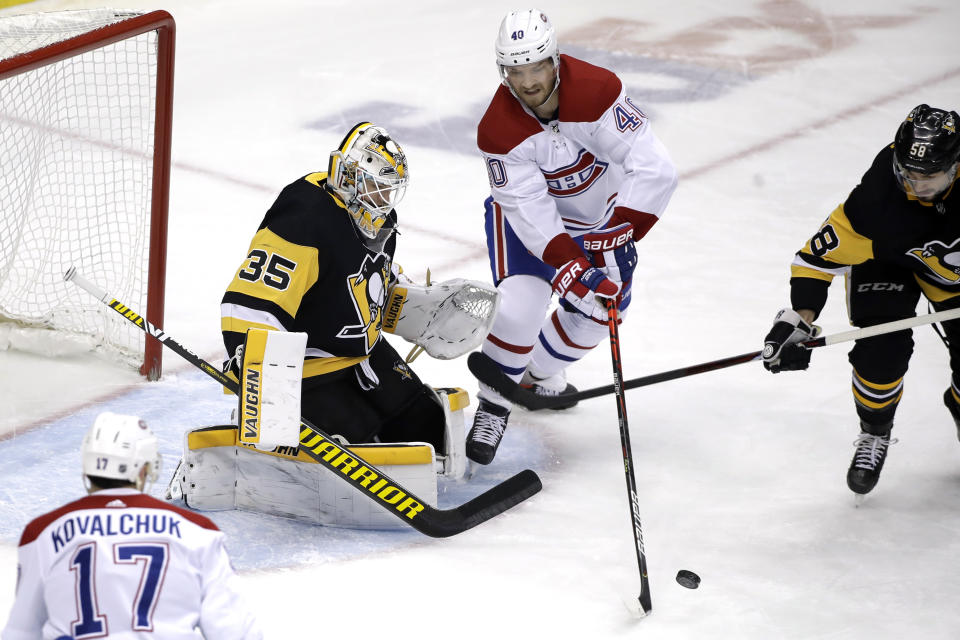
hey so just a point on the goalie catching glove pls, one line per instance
(447, 319)
(781, 351)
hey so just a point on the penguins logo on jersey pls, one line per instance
(368, 290)
(943, 261)
(403, 370)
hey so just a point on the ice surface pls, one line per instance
(772, 111)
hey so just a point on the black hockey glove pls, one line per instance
(780, 349)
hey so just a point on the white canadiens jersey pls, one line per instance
(121, 564)
(567, 175)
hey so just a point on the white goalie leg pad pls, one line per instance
(453, 459)
(270, 377)
(410, 464)
(207, 475)
(221, 473)
(447, 319)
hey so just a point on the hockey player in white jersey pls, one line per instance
(121, 564)
(577, 176)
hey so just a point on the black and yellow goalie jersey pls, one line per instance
(308, 270)
(879, 221)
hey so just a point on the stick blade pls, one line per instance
(644, 599)
(634, 604)
(489, 373)
(438, 523)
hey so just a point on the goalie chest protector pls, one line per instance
(308, 269)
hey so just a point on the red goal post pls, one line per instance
(131, 241)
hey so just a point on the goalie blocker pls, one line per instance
(220, 472)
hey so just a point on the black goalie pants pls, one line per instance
(878, 293)
(400, 408)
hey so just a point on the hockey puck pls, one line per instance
(688, 579)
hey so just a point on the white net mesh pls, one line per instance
(457, 315)
(76, 163)
(478, 302)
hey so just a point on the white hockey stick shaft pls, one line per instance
(100, 294)
(886, 327)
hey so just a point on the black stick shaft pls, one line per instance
(644, 598)
(664, 376)
(530, 400)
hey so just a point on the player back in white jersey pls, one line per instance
(122, 564)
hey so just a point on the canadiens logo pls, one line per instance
(575, 178)
(942, 260)
(368, 291)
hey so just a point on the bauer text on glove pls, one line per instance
(612, 251)
(582, 286)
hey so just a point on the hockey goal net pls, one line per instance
(85, 114)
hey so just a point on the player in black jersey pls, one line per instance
(896, 237)
(321, 263)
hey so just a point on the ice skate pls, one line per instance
(489, 424)
(868, 461)
(951, 404)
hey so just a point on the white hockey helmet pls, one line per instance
(118, 447)
(369, 173)
(525, 37)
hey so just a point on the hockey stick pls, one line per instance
(489, 372)
(365, 478)
(644, 598)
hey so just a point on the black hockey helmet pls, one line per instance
(926, 151)
(927, 141)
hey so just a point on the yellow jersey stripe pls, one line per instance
(264, 277)
(319, 366)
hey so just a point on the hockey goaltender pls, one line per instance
(302, 322)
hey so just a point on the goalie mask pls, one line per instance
(369, 173)
(118, 447)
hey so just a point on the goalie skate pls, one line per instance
(489, 424)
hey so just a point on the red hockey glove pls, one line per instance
(612, 251)
(582, 287)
